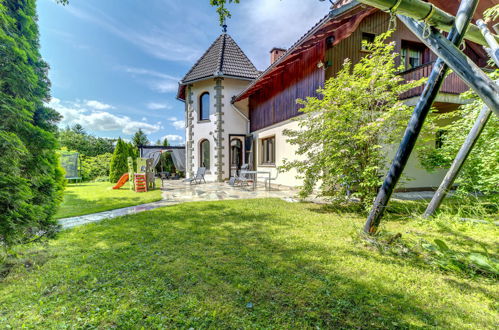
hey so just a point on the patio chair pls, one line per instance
(244, 178)
(268, 180)
(234, 180)
(199, 177)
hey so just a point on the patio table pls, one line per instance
(255, 175)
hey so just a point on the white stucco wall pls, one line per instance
(233, 122)
(284, 150)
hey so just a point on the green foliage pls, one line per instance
(222, 10)
(31, 181)
(76, 139)
(480, 172)
(96, 167)
(247, 264)
(343, 131)
(119, 161)
(468, 263)
(491, 14)
(166, 143)
(140, 139)
(165, 163)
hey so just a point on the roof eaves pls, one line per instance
(333, 13)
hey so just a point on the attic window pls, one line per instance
(367, 38)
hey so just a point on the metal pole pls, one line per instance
(470, 141)
(469, 72)
(425, 11)
(461, 157)
(430, 92)
(494, 46)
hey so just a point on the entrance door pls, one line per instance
(236, 155)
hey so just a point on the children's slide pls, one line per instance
(121, 181)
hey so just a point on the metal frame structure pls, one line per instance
(423, 19)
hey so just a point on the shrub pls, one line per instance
(98, 166)
(480, 172)
(343, 132)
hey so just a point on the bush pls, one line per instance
(96, 167)
(480, 172)
(343, 132)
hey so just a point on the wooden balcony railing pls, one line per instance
(452, 83)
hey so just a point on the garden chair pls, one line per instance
(199, 177)
(269, 179)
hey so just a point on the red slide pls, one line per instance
(121, 181)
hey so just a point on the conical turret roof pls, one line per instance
(224, 58)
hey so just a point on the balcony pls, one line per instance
(452, 83)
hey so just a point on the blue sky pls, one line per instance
(115, 64)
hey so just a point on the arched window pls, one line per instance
(204, 154)
(204, 106)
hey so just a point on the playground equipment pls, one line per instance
(141, 181)
(121, 181)
(423, 19)
(71, 163)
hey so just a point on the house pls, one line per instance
(249, 110)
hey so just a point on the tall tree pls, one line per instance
(31, 181)
(76, 139)
(140, 138)
(165, 142)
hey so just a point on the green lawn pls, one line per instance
(86, 198)
(247, 264)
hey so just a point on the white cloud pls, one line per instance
(178, 124)
(97, 120)
(173, 138)
(164, 40)
(260, 25)
(157, 81)
(158, 106)
(98, 105)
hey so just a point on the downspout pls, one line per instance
(242, 115)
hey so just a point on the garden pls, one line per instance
(255, 263)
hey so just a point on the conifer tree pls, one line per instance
(31, 181)
(119, 162)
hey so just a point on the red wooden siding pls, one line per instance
(452, 83)
(266, 111)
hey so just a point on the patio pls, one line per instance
(179, 191)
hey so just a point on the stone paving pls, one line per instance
(176, 192)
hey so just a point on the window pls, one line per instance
(439, 139)
(268, 151)
(412, 55)
(204, 154)
(204, 106)
(367, 38)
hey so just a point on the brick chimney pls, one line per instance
(275, 54)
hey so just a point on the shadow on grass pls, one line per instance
(232, 264)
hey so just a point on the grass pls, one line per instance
(87, 198)
(247, 264)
